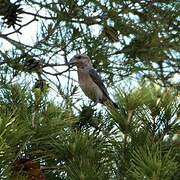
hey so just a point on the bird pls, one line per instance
(90, 81)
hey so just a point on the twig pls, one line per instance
(15, 43)
(38, 15)
(21, 26)
(56, 74)
(53, 64)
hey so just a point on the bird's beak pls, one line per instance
(73, 61)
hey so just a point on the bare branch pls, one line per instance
(21, 26)
(58, 73)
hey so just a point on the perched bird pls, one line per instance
(90, 82)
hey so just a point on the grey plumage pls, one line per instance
(90, 82)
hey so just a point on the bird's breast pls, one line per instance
(89, 87)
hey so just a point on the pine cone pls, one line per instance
(10, 11)
(27, 168)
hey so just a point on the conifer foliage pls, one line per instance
(49, 131)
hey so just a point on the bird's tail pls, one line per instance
(111, 104)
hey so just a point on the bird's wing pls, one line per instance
(97, 79)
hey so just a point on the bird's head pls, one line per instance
(81, 61)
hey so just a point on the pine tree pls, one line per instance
(134, 45)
